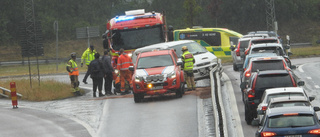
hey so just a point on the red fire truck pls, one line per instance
(133, 30)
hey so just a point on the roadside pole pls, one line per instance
(14, 97)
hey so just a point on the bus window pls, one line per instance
(211, 38)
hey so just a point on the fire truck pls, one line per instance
(134, 30)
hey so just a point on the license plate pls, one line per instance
(157, 87)
(294, 136)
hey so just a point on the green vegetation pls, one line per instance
(48, 89)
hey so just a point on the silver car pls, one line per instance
(204, 60)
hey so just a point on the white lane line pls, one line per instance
(300, 68)
(316, 86)
(309, 78)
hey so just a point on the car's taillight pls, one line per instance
(248, 74)
(251, 94)
(238, 52)
(268, 134)
(314, 131)
(264, 108)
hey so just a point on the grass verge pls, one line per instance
(47, 90)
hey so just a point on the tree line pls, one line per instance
(299, 18)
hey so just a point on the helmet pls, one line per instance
(73, 54)
(184, 48)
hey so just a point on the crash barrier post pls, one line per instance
(14, 95)
(4, 94)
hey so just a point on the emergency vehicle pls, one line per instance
(215, 40)
(134, 30)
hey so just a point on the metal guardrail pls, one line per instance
(4, 90)
(218, 110)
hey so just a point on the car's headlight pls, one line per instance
(138, 79)
(215, 60)
(172, 74)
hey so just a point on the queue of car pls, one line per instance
(272, 95)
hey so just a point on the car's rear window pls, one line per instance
(291, 121)
(154, 61)
(271, 81)
(244, 44)
(265, 41)
(283, 95)
(267, 65)
(289, 104)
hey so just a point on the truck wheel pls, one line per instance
(137, 97)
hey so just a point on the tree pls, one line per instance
(192, 10)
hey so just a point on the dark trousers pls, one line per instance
(97, 83)
(86, 75)
(108, 83)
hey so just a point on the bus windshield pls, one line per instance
(136, 38)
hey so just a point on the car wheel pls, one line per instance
(137, 97)
(180, 91)
(235, 68)
(248, 115)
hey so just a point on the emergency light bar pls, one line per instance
(124, 18)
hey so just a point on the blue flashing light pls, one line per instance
(124, 18)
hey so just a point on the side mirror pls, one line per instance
(311, 98)
(293, 67)
(131, 68)
(179, 62)
(286, 47)
(260, 112)
(255, 122)
(243, 85)
(301, 83)
(290, 53)
(232, 47)
(316, 108)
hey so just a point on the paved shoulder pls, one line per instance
(35, 123)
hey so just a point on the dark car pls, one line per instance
(297, 121)
(259, 82)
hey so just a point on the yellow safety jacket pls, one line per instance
(188, 60)
(73, 68)
(88, 56)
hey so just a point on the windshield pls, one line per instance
(283, 95)
(154, 61)
(193, 47)
(136, 38)
(275, 50)
(289, 104)
(291, 121)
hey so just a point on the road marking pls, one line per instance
(234, 108)
(316, 86)
(300, 69)
(309, 78)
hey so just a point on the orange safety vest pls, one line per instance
(73, 68)
(124, 61)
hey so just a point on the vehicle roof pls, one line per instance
(271, 72)
(288, 99)
(261, 55)
(266, 45)
(163, 45)
(285, 110)
(284, 90)
(231, 32)
(266, 58)
(256, 35)
(156, 53)
(267, 38)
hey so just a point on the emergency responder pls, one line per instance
(87, 57)
(108, 77)
(188, 61)
(96, 72)
(72, 68)
(124, 61)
